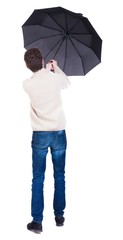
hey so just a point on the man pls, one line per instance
(48, 124)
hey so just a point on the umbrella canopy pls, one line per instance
(65, 36)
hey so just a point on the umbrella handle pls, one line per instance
(52, 69)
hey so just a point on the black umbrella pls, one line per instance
(65, 36)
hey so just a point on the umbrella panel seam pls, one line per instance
(78, 54)
(52, 48)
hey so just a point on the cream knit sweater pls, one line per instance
(44, 90)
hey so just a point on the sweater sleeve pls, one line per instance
(64, 78)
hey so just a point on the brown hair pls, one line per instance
(33, 59)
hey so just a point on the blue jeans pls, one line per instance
(57, 142)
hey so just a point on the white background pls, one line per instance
(94, 111)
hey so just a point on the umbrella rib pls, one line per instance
(66, 21)
(52, 48)
(78, 54)
(74, 25)
(50, 36)
(58, 47)
(66, 42)
(85, 45)
(81, 33)
(65, 55)
(55, 21)
(43, 38)
(49, 27)
(81, 42)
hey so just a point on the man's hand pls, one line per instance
(51, 65)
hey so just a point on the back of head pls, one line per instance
(33, 59)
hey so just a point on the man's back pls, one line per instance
(44, 90)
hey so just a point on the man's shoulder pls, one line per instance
(26, 83)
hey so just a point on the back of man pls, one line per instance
(48, 125)
(44, 90)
